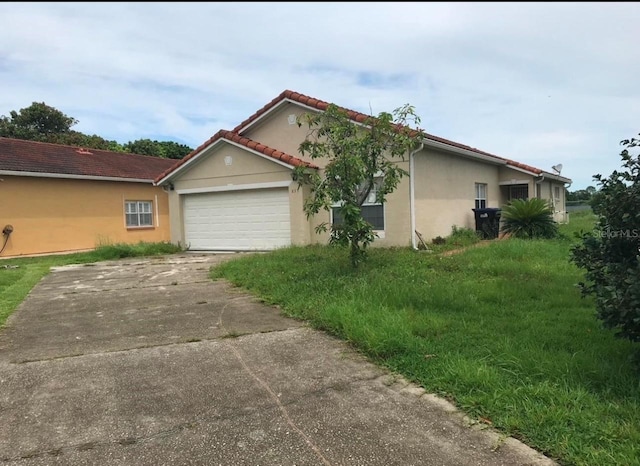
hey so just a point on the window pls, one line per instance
(138, 213)
(372, 211)
(520, 191)
(481, 195)
(556, 193)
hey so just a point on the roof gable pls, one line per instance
(34, 158)
(234, 138)
(317, 104)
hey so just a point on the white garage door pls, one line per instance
(237, 220)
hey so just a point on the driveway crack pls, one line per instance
(186, 341)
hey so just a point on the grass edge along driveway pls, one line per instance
(20, 274)
(501, 331)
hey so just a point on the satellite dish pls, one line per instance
(557, 168)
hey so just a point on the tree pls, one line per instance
(141, 146)
(76, 138)
(611, 253)
(40, 122)
(36, 123)
(165, 149)
(582, 194)
(174, 150)
(360, 160)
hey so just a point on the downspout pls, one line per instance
(412, 192)
(537, 185)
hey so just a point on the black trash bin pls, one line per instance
(488, 222)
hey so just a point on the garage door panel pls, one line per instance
(237, 220)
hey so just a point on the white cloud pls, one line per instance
(543, 83)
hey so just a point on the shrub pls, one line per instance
(438, 240)
(459, 237)
(531, 218)
(611, 253)
(463, 236)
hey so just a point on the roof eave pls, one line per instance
(464, 152)
(74, 177)
(556, 177)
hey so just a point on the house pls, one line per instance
(235, 191)
(61, 198)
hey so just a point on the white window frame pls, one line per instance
(371, 200)
(142, 208)
(556, 193)
(481, 196)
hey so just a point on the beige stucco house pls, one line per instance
(58, 198)
(235, 191)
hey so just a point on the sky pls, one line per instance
(542, 83)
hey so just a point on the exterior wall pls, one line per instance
(560, 205)
(397, 214)
(246, 168)
(546, 191)
(445, 191)
(514, 177)
(397, 218)
(276, 131)
(51, 215)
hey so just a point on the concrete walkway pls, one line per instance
(149, 362)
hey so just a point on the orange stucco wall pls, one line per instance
(56, 215)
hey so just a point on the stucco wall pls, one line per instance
(514, 178)
(397, 218)
(55, 215)
(546, 190)
(277, 132)
(445, 191)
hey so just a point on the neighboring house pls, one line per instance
(235, 191)
(63, 198)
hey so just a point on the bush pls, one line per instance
(611, 253)
(462, 236)
(438, 240)
(459, 237)
(531, 218)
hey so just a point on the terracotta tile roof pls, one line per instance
(41, 157)
(360, 117)
(246, 142)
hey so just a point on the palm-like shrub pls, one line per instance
(531, 218)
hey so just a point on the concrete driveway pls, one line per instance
(149, 362)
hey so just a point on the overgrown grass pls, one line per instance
(500, 330)
(19, 275)
(459, 238)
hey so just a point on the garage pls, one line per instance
(256, 219)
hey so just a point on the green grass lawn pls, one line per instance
(502, 331)
(15, 283)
